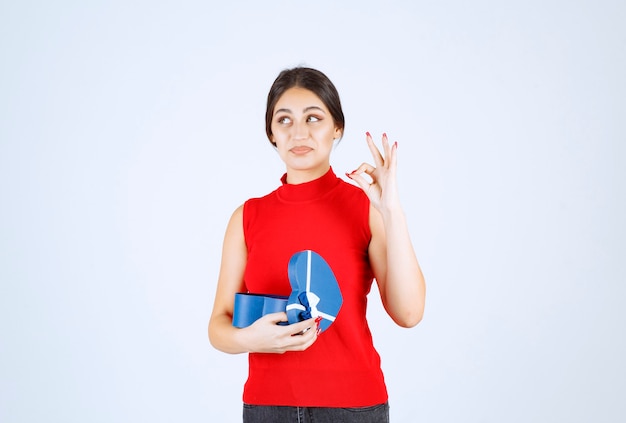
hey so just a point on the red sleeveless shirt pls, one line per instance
(331, 217)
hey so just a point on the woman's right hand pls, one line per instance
(267, 336)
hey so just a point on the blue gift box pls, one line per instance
(250, 307)
(314, 293)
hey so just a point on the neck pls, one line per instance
(296, 176)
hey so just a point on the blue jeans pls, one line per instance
(278, 414)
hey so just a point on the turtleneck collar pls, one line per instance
(307, 191)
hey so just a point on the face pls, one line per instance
(304, 133)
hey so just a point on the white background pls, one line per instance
(130, 131)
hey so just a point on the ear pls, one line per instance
(338, 133)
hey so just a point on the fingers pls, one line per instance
(392, 154)
(303, 335)
(360, 180)
(364, 168)
(302, 327)
(276, 318)
(294, 328)
(388, 150)
(268, 336)
(379, 160)
(380, 179)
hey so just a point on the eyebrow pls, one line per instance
(306, 109)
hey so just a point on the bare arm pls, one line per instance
(265, 335)
(397, 271)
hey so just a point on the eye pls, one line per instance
(284, 120)
(313, 119)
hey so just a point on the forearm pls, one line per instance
(225, 337)
(404, 287)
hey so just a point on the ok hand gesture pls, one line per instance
(382, 190)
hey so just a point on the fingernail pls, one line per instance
(368, 134)
(385, 134)
(319, 330)
(318, 319)
(395, 144)
(349, 175)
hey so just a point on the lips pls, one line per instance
(300, 150)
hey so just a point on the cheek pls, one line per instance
(329, 135)
(277, 134)
(279, 139)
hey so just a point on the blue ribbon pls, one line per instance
(304, 300)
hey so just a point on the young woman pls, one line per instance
(297, 374)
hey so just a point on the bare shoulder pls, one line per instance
(236, 219)
(238, 213)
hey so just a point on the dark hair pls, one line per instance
(312, 80)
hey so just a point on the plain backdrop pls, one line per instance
(130, 131)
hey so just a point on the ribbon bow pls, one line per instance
(308, 307)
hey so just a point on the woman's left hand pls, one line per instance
(390, 252)
(382, 190)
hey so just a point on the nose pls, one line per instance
(300, 130)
